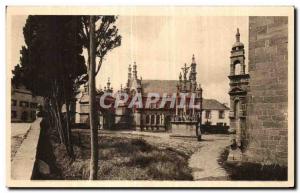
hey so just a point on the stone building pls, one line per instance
(154, 117)
(264, 136)
(105, 116)
(24, 104)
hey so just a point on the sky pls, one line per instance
(160, 45)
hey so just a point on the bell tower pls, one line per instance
(239, 81)
(237, 56)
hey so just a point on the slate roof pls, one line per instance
(159, 86)
(213, 104)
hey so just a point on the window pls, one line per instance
(220, 124)
(147, 119)
(157, 119)
(221, 114)
(24, 104)
(237, 69)
(152, 119)
(33, 105)
(13, 114)
(13, 102)
(207, 114)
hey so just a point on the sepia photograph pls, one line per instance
(150, 96)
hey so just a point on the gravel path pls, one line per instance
(204, 162)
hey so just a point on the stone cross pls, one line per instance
(185, 71)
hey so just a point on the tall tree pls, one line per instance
(52, 66)
(100, 36)
(92, 99)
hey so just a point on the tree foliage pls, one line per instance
(106, 35)
(52, 64)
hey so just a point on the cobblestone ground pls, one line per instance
(204, 154)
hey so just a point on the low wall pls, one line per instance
(214, 129)
(187, 129)
(22, 165)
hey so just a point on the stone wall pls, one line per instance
(267, 101)
(185, 129)
(22, 165)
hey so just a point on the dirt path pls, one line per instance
(204, 162)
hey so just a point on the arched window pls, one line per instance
(237, 68)
(147, 119)
(152, 119)
(157, 119)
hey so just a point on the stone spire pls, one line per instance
(237, 36)
(237, 56)
(129, 72)
(193, 72)
(193, 59)
(108, 83)
(134, 72)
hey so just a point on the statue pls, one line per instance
(185, 70)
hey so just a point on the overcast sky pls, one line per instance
(160, 45)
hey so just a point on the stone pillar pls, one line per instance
(137, 121)
(231, 69)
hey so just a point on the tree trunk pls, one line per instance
(92, 97)
(59, 121)
(68, 130)
(55, 122)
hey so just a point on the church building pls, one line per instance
(156, 117)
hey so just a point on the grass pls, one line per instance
(246, 171)
(122, 158)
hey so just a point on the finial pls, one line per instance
(237, 35)
(108, 83)
(193, 59)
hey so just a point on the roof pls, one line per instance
(213, 104)
(160, 86)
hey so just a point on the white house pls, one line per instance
(214, 113)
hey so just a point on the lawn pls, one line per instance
(121, 158)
